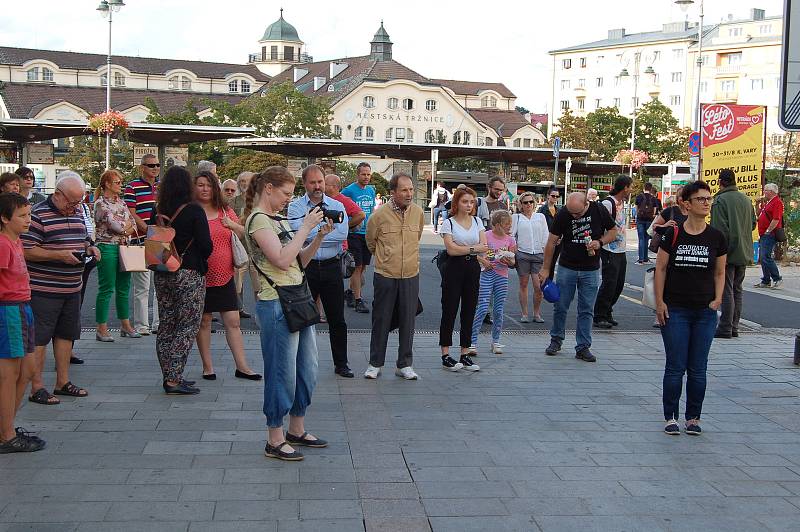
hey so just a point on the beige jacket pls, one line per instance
(394, 240)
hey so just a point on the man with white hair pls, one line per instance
(769, 219)
(207, 166)
(56, 248)
(242, 182)
(229, 191)
(592, 194)
(583, 228)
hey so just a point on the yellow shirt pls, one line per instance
(255, 222)
(393, 238)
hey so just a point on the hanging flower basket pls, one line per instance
(632, 158)
(112, 123)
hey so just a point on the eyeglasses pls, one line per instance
(152, 165)
(70, 203)
(527, 202)
(556, 196)
(28, 176)
(116, 182)
(703, 199)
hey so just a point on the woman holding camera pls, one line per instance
(220, 286)
(290, 358)
(113, 226)
(689, 279)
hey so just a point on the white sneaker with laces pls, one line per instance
(497, 349)
(407, 373)
(776, 284)
(372, 372)
(472, 350)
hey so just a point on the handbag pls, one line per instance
(348, 263)
(131, 258)
(655, 242)
(240, 257)
(299, 308)
(649, 289)
(160, 252)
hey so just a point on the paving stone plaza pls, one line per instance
(528, 443)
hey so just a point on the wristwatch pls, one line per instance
(471, 250)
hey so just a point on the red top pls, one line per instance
(350, 207)
(773, 210)
(220, 263)
(15, 284)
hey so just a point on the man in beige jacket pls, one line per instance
(393, 234)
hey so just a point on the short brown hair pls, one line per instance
(8, 177)
(395, 179)
(457, 197)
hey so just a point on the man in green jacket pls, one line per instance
(732, 213)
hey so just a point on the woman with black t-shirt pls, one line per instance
(689, 279)
(670, 216)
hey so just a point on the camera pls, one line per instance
(335, 216)
(80, 255)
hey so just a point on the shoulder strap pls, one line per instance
(675, 235)
(267, 277)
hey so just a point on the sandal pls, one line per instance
(301, 440)
(43, 397)
(71, 390)
(275, 452)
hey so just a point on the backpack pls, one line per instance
(648, 209)
(613, 208)
(160, 252)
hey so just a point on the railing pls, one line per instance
(280, 58)
(730, 96)
(728, 69)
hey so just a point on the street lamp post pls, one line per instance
(637, 58)
(684, 5)
(106, 9)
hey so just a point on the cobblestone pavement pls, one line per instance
(528, 443)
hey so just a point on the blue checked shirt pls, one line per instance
(332, 243)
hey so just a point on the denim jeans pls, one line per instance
(290, 364)
(644, 238)
(687, 337)
(586, 283)
(436, 212)
(769, 269)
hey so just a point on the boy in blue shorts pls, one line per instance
(16, 324)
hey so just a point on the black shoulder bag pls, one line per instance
(299, 309)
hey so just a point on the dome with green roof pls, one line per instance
(280, 30)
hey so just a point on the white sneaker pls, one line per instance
(776, 284)
(372, 372)
(144, 331)
(472, 350)
(407, 373)
(497, 349)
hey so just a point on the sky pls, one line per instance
(476, 41)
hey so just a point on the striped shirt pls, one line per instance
(141, 195)
(53, 231)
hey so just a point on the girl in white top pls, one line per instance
(529, 228)
(464, 239)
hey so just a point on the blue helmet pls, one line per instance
(550, 291)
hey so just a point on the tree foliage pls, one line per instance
(573, 131)
(248, 161)
(87, 156)
(658, 134)
(608, 132)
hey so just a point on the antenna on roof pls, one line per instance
(281, 12)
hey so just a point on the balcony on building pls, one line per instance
(728, 70)
(726, 97)
(279, 58)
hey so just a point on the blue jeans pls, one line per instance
(492, 284)
(644, 238)
(769, 268)
(587, 283)
(436, 212)
(687, 337)
(290, 364)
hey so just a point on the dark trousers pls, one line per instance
(731, 299)
(460, 286)
(393, 295)
(87, 270)
(644, 238)
(325, 281)
(614, 267)
(556, 252)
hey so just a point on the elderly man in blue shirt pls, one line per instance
(324, 272)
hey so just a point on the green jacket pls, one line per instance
(732, 213)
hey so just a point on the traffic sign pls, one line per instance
(789, 112)
(694, 143)
(556, 147)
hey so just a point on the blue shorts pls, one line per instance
(16, 330)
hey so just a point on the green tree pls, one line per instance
(572, 130)
(87, 156)
(248, 161)
(658, 134)
(521, 110)
(609, 132)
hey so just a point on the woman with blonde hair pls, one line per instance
(113, 227)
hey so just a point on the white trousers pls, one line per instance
(141, 299)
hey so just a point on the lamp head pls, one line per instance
(649, 70)
(103, 7)
(116, 5)
(684, 4)
(624, 73)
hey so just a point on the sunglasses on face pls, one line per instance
(152, 165)
(556, 196)
(527, 202)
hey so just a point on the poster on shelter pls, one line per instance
(734, 137)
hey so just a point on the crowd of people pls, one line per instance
(296, 248)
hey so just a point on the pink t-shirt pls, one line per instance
(15, 284)
(220, 263)
(496, 243)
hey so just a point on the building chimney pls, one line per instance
(617, 33)
(337, 68)
(757, 14)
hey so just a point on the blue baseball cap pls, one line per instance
(550, 291)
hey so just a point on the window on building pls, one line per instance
(677, 77)
(656, 55)
(581, 103)
(598, 82)
(430, 105)
(488, 141)
(765, 29)
(47, 74)
(566, 64)
(409, 135)
(488, 101)
(457, 137)
(674, 100)
(564, 105)
(617, 81)
(734, 32)
(244, 86)
(263, 53)
(597, 103)
(757, 84)
(582, 83)
(186, 84)
(583, 62)
(119, 79)
(656, 79)
(370, 134)
(526, 143)
(733, 59)
(408, 104)
(777, 138)
(400, 134)
(288, 53)
(369, 102)
(392, 103)
(677, 53)
(728, 85)
(635, 102)
(358, 133)
(429, 136)
(337, 131)
(565, 84)
(617, 103)
(517, 143)
(467, 138)
(103, 80)
(703, 86)
(33, 74)
(273, 53)
(705, 59)
(389, 136)
(233, 86)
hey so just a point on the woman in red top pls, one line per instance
(220, 286)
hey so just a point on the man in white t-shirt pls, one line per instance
(613, 256)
